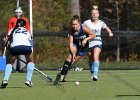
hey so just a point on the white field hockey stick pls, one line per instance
(48, 78)
(4, 52)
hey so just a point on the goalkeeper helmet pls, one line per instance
(18, 12)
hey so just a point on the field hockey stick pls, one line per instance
(76, 55)
(5, 47)
(49, 78)
(4, 52)
(73, 62)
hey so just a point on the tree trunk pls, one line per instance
(75, 7)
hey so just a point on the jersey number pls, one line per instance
(23, 31)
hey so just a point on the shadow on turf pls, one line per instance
(127, 95)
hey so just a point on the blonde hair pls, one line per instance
(96, 10)
(95, 7)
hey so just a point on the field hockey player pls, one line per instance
(79, 36)
(20, 44)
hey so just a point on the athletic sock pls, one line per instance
(8, 71)
(95, 68)
(65, 68)
(30, 68)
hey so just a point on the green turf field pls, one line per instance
(112, 85)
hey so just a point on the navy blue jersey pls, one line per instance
(79, 37)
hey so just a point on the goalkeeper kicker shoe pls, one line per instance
(4, 84)
(29, 83)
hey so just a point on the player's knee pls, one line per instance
(30, 66)
(69, 58)
(96, 57)
(30, 57)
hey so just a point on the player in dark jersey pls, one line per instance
(79, 36)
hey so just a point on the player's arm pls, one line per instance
(30, 38)
(90, 33)
(27, 24)
(8, 28)
(109, 31)
(71, 43)
(72, 48)
(8, 38)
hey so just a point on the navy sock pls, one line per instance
(65, 68)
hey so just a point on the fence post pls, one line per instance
(118, 37)
(118, 48)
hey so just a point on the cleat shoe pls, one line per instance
(29, 83)
(94, 78)
(64, 80)
(4, 84)
(57, 80)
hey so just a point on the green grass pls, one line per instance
(112, 85)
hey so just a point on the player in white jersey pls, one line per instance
(95, 45)
(20, 44)
(20, 36)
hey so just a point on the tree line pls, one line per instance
(54, 15)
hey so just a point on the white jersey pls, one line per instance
(96, 28)
(21, 36)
